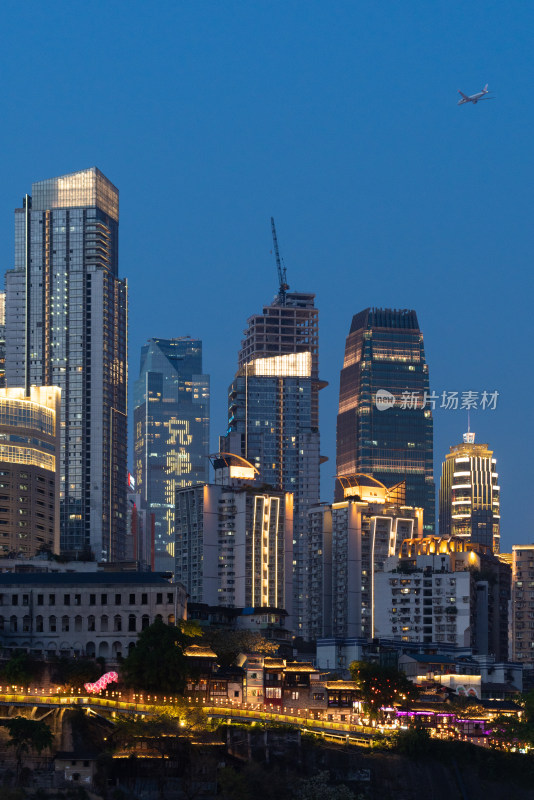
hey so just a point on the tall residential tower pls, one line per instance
(66, 326)
(273, 414)
(171, 431)
(383, 430)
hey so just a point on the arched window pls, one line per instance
(13, 624)
(170, 619)
(159, 618)
(1, 623)
(145, 622)
(91, 623)
(117, 623)
(131, 623)
(52, 624)
(39, 624)
(65, 624)
(103, 623)
(77, 623)
(26, 623)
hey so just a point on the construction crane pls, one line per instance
(281, 267)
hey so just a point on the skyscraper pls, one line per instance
(273, 413)
(469, 494)
(66, 325)
(2, 339)
(388, 436)
(171, 431)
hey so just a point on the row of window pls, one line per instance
(67, 624)
(77, 599)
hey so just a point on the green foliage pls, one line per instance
(75, 671)
(415, 742)
(228, 644)
(319, 788)
(28, 734)
(157, 663)
(382, 686)
(20, 670)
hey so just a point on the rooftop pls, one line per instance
(82, 578)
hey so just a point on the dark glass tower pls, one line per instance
(171, 431)
(66, 326)
(273, 414)
(391, 439)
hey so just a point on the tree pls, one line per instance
(20, 670)
(75, 671)
(228, 644)
(319, 788)
(382, 686)
(158, 663)
(28, 734)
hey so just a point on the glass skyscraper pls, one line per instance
(469, 494)
(171, 431)
(273, 415)
(388, 435)
(66, 326)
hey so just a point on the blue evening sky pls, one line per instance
(340, 120)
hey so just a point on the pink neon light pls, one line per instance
(101, 683)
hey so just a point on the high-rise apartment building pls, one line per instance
(523, 604)
(2, 339)
(469, 494)
(171, 431)
(29, 470)
(66, 326)
(383, 429)
(273, 413)
(234, 539)
(349, 542)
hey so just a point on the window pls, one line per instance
(15, 600)
(131, 623)
(65, 624)
(118, 599)
(51, 599)
(39, 624)
(294, 695)
(92, 599)
(40, 599)
(77, 623)
(13, 624)
(52, 624)
(66, 600)
(103, 599)
(26, 624)
(91, 623)
(159, 598)
(103, 623)
(145, 622)
(25, 600)
(117, 626)
(170, 597)
(77, 599)
(132, 599)
(144, 599)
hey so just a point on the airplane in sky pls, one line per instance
(474, 98)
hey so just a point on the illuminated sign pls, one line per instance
(101, 683)
(242, 472)
(292, 365)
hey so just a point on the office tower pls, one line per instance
(66, 325)
(2, 339)
(171, 431)
(355, 536)
(234, 539)
(445, 590)
(523, 604)
(383, 429)
(140, 529)
(273, 414)
(29, 470)
(469, 494)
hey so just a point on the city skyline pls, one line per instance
(385, 193)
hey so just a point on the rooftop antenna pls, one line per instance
(281, 267)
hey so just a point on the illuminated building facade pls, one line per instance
(66, 326)
(469, 494)
(2, 339)
(171, 431)
(523, 604)
(445, 590)
(273, 414)
(29, 470)
(384, 352)
(350, 541)
(234, 539)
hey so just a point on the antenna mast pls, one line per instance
(281, 267)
